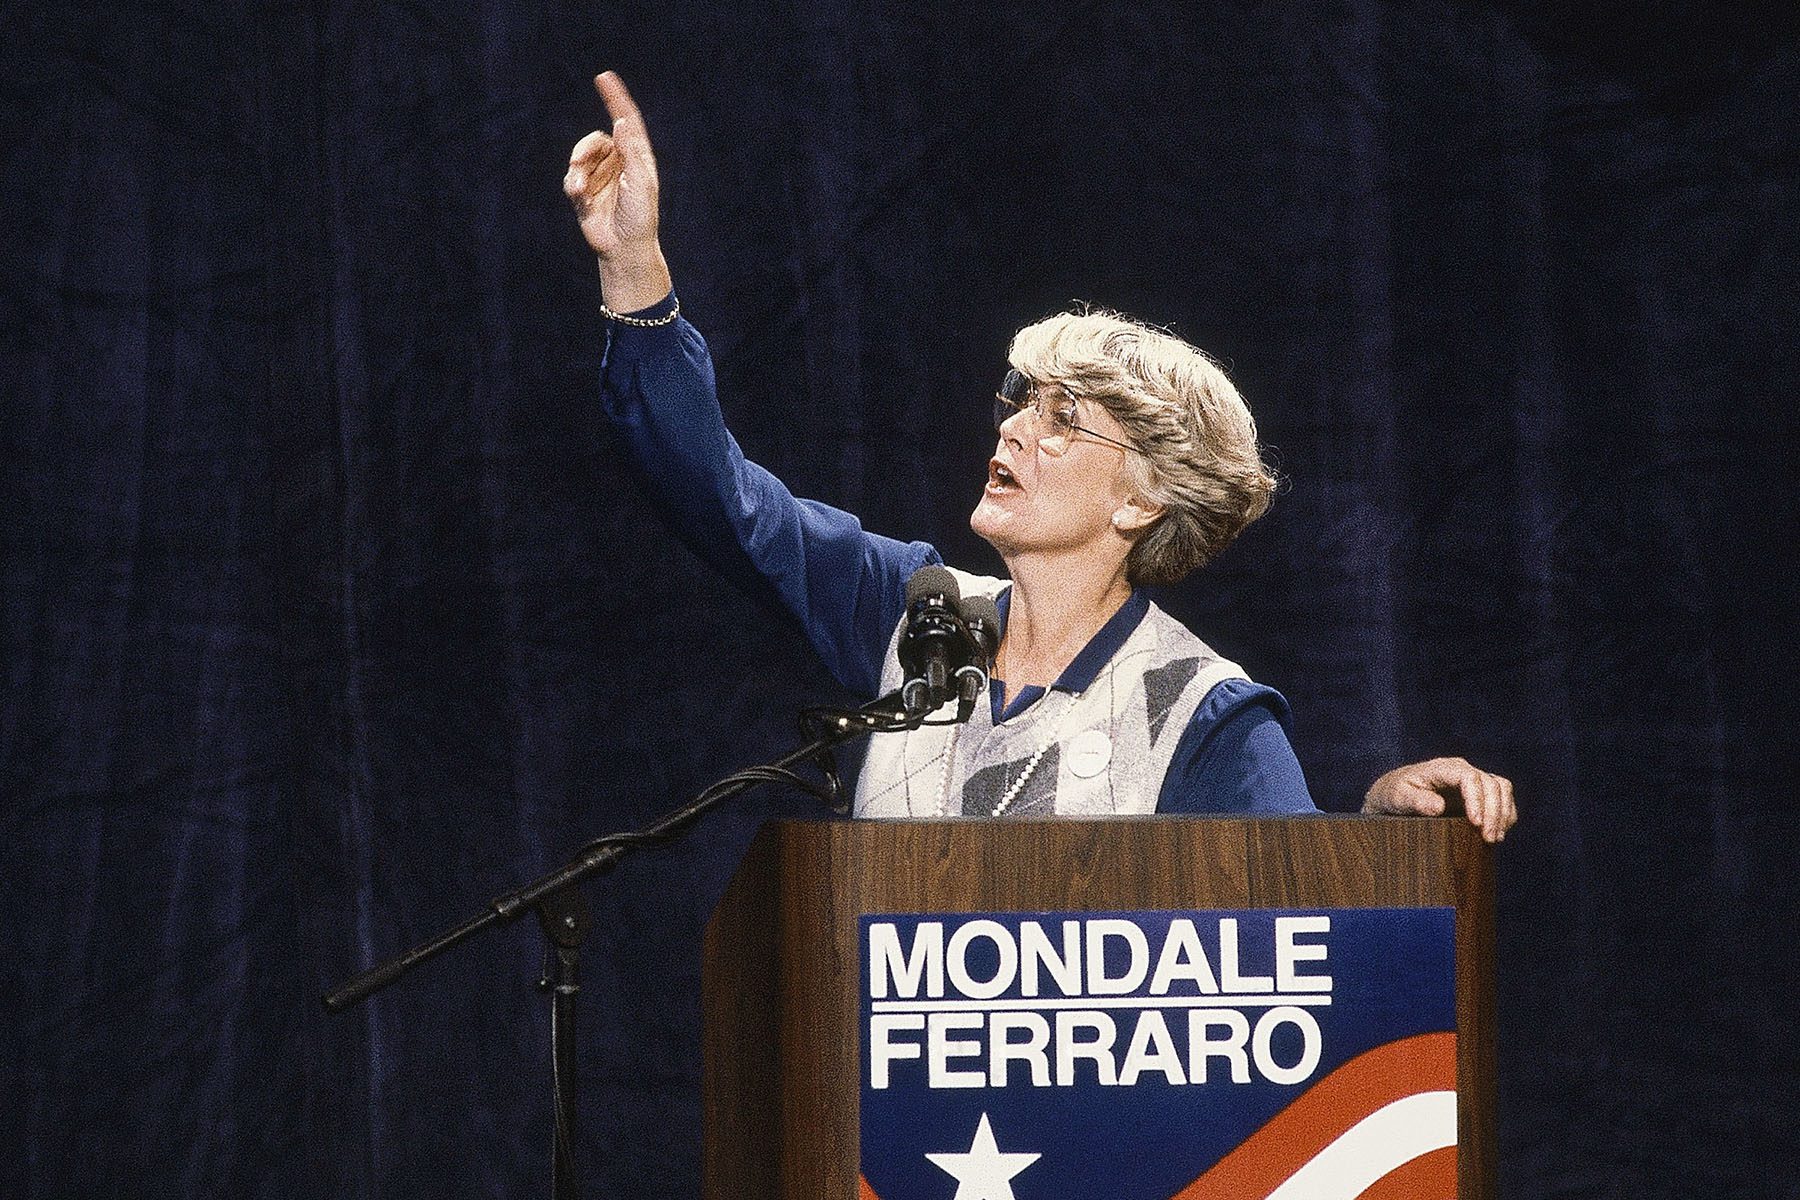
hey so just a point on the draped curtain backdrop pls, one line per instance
(328, 609)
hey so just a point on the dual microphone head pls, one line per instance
(947, 648)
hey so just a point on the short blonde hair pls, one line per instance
(1199, 457)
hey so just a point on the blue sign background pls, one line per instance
(1393, 974)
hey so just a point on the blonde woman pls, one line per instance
(1124, 457)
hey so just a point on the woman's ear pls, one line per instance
(1136, 515)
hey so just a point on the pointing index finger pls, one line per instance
(628, 132)
(619, 104)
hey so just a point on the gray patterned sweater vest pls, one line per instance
(1095, 753)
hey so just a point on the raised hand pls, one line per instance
(1426, 790)
(612, 183)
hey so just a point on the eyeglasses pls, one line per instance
(1053, 417)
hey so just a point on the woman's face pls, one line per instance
(1037, 500)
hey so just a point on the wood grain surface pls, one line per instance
(781, 972)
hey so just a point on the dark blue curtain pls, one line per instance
(329, 610)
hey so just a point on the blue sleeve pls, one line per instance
(846, 587)
(1235, 758)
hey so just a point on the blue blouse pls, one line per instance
(847, 587)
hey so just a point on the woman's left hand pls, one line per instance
(1433, 788)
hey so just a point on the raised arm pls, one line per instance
(845, 587)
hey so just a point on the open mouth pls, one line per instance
(1000, 479)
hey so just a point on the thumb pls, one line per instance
(1396, 795)
(1421, 801)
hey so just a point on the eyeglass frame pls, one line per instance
(1018, 383)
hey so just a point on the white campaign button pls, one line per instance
(1089, 752)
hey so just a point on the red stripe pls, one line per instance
(1370, 1081)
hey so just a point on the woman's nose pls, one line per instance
(1017, 428)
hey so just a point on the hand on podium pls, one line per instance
(1439, 786)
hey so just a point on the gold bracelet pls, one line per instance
(667, 318)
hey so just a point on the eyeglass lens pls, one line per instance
(1015, 391)
(1015, 396)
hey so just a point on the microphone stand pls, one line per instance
(563, 914)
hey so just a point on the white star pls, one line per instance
(983, 1173)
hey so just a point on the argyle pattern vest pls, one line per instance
(1099, 752)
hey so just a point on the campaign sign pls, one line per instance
(1159, 1055)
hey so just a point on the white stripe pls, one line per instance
(1258, 1000)
(1385, 1139)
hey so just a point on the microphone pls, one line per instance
(981, 617)
(935, 643)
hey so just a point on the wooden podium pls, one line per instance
(782, 971)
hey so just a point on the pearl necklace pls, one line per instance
(1017, 785)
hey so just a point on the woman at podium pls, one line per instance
(1124, 457)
